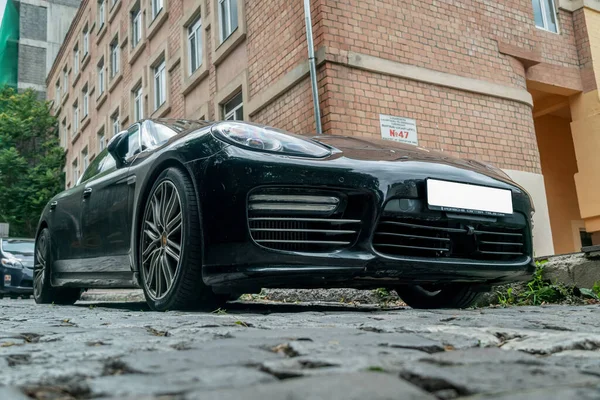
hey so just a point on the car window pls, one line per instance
(155, 134)
(94, 167)
(133, 141)
(17, 246)
(107, 164)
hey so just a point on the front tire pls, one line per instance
(43, 292)
(450, 296)
(170, 250)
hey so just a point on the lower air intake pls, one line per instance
(295, 220)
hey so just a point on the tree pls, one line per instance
(31, 159)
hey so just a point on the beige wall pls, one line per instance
(559, 166)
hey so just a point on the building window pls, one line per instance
(138, 104)
(75, 172)
(101, 140)
(57, 94)
(76, 60)
(195, 45)
(157, 6)
(544, 12)
(116, 125)
(160, 85)
(114, 57)
(112, 3)
(65, 80)
(228, 17)
(234, 109)
(101, 15)
(101, 77)
(86, 41)
(85, 101)
(75, 118)
(63, 133)
(136, 26)
(84, 159)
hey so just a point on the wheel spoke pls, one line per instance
(150, 252)
(170, 207)
(169, 251)
(163, 200)
(174, 224)
(168, 274)
(157, 273)
(153, 229)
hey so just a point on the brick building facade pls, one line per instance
(493, 81)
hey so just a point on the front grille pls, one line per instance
(448, 238)
(301, 220)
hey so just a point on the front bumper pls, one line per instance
(233, 259)
(20, 281)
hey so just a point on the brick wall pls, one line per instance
(459, 123)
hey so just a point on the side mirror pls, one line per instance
(117, 148)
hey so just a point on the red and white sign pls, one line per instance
(399, 129)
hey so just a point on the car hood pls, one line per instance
(387, 150)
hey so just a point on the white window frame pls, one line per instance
(75, 118)
(66, 80)
(85, 159)
(115, 123)
(195, 32)
(226, 19)
(543, 5)
(85, 101)
(157, 6)
(136, 28)
(101, 140)
(63, 133)
(160, 85)
(76, 60)
(138, 104)
(101, 79)
(57, 93)
(75, 171)
(86, 41)
(101, 14)
(114, 58)
(230, 116)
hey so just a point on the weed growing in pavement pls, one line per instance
(382, 293)
(540, 291)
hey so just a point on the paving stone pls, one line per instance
(361, 386)
(9, 393)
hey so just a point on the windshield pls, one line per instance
(16, 246)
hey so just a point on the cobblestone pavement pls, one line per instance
(306, 351)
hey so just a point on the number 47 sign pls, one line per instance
(399, 129)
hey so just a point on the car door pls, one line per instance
(65, 220)
(106, 217)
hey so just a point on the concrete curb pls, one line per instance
(578, 269)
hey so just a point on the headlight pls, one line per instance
(267, 139)
(11, 262)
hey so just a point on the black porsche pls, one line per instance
(196, 213)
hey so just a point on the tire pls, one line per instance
(170, 247)
(43, 292)
(451, 296)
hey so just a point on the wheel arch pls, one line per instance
(151, 177)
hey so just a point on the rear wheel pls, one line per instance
(431, 296)
(170, 250)
(43, 292)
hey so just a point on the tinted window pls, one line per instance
(156, 134)
(94, 168)
(107, 164)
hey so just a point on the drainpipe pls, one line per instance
(312, 65)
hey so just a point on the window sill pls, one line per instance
(75, 137)
(64, 98)
(194, 80)
(85, 122)
(228, 45)
(156, 23)
(114, 81)
(58, 109)
(114, 10)
(85, 61)
(548, 30)
(76, 79)
(162, 110)
(125, 120)
(135, 52)
(101, 99)
(101, 33)
(92, 157)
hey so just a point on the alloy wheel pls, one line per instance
(39, 267)
(162, 239)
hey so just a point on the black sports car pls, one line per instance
(196, 213)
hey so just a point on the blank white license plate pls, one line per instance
(471, 199)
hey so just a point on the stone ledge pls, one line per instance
(577, 269)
